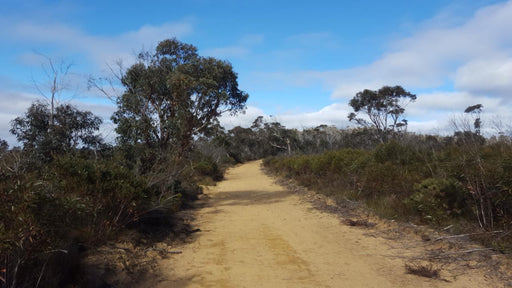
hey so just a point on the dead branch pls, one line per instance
(466, 235)
(466, 251)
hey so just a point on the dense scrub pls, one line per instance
(52, 211)
(435, 180)
(265, 139)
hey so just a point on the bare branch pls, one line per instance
(109, 85)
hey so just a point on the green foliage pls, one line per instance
(209, 168)
(73, 198)
(173, 95)
(383, 109)
(79, 198)
(396, 153)
(438, 200)
(71, 128)
(265, 139)
(261, 140)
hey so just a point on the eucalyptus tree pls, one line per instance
(476, 111)
(173, 95)
(383, 109)
(71, 128)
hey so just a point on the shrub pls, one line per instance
(210, 169)
(73, 199)
(438, 200)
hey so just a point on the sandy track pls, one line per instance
(255, 233)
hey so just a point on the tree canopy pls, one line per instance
(71, 128)
(475, 110)
(172, 95)
(383, 108)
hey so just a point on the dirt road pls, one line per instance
(255, 233)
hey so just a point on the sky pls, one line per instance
(299, 61)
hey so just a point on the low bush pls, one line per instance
(438, 200)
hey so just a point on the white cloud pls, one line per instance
(152, 34)
(334, 114)
(252, 40)
(436, 104)
(99, 49)
(242, 119)
(431, 56)
(486, 76)
(474, 54)
(241, 49)
(437, 126)
(434, 112)
(445, 102)
(14, 104)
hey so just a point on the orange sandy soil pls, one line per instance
(255, 233)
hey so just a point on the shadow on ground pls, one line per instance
(248, 197)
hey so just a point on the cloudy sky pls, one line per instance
(300, 61)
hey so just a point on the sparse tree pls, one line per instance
(476, 111)
(468, 129)
(383, 109)
(56, 81)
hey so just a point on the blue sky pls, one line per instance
(300, 61)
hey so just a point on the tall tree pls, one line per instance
(56, 73)
(476, 111)
(172, 95)
(383, 109)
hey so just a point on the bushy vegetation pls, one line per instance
(72, 197)
(265, 139)
(66, 190)
(425, 179)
